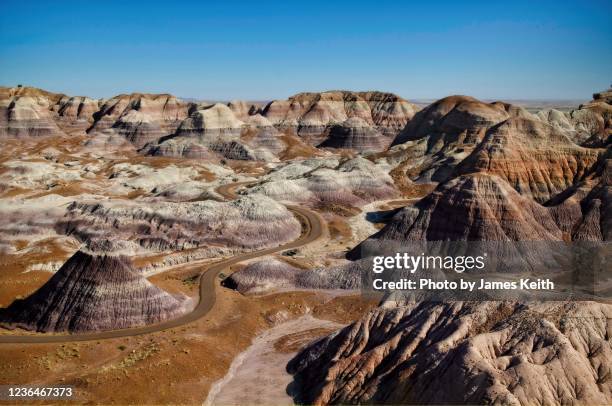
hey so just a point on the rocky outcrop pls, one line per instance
(311, 113)
(75, 112)
(537, 159)
(181, 148)
(263, 276)
(590, 125)
(94, 292)
(27, 91)
(140, 118)
(263, 135)
(260, 122)
(456, 120)
(355, 133)
(462, 353)
(603, 97)
(443, 134)
(26, 112)
(584, 211)
(221, 147)
(321, 181)
(138, 128)
(476, 207)
(389, 112)
(243, 110)
(208, 132)
(273, 274)
(484, 207)
(537, 155)
(251, 222)
(213, 120)
(593, 121)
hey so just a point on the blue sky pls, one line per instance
(261, 50)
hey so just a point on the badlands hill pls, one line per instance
(27, 112)
(326, 181)
(311, 113)
(463, 353)
(484, 207)
(363, 121)
(140, 118)
(504, 175)
(163, 125)
(591, 124)
(251, 222)
(443, 134)
(75, 112)
(507, 176)
(214, 131)
(141, 172)
(94, 292)
(537, 159)
(355, 133)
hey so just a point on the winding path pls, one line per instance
(312, 230)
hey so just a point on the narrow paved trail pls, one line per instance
(312, 230)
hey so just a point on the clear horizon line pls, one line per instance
(418, 99)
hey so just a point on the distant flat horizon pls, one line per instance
(565, 102)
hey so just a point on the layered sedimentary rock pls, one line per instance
(584, 211)
(34, 111)
(165, 122)
(456, 119)
(141, 118)
(243, 110)
(593, 121)
(596, 221)
(75, 112)
(537, 159)
(390, 113)
(590, 125)
(476, 207)
(506, 175)
(94, 292)
(351, 182)
(26, 112)
(603, 97)
(484, 207)
(463, 353)
(481, 352)
(181, 148)
(250, 222)
(263, 276)
(273, 274)
(138, 128)
(27, 91)
(260, 122)
(215, 119)
(443, 134)
(460, 135)
(208, 132)
(263, 135)
(355, 133)
(311, 113)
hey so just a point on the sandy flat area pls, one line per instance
(257, 376)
